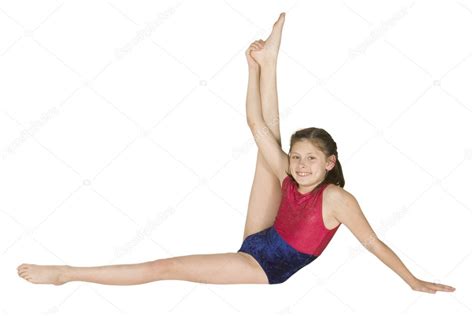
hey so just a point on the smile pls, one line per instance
(303, 174)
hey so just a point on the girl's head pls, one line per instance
(313, 158)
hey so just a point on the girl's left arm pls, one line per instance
(347, 211)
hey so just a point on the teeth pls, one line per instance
(302, 173)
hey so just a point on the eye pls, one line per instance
(312, 157)
(294, 157)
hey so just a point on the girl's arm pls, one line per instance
(269, 97)
(347, 211)
(253, 103)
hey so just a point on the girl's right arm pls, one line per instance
(269, 97)
(347, 211)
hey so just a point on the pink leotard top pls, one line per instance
(299, 219)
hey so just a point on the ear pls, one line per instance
(331, 162)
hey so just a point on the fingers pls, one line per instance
(442, 287)
(257, 44)
(251, 48)
(433, 287)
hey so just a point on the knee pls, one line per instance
(159, 268)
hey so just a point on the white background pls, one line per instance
(123, 139)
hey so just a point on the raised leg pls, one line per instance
(221, 268)
(265, 195)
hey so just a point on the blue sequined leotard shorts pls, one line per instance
(277, 258)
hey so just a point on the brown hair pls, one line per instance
(324, 142)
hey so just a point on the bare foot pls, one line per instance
(267, 51)
(41, 274)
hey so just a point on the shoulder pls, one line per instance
(337, 197)
(334, 191)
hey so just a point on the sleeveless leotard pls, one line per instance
(299, 220)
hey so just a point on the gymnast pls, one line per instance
(297, 203)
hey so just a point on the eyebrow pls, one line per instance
(293, 152)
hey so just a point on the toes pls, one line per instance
(280, 20)
(281, 17)
(23, 266)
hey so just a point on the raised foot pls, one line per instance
(43, 274)
(267, 51)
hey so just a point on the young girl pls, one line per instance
(289, 221)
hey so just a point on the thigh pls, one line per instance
(264, 200)
(220, 268)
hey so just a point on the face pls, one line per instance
(308, 164)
